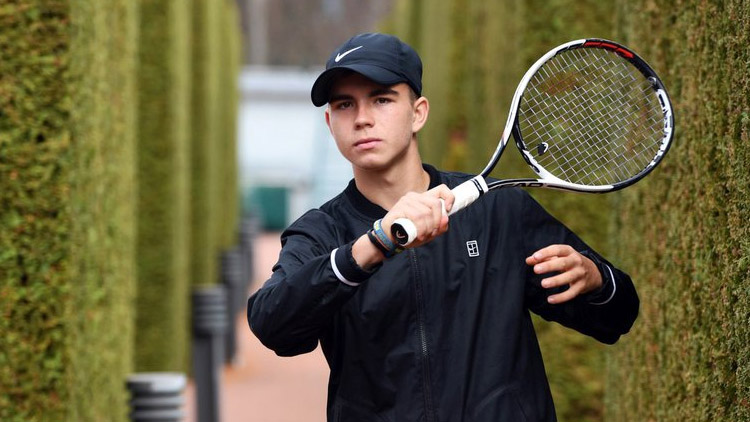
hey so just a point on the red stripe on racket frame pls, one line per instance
(616, 48)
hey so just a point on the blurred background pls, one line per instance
(285, 46)
(151, 150)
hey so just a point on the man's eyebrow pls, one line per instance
(339, 97)
(374, 93)
(383, 91)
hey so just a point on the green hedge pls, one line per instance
(231, 55)
(35, 241)
(575, 364)
(188, 205)
(66, 204)
(435, 43)
(162, 328)
(475, 53)
(205, 154)
(684, 232)
(405, 20)
(96, 176)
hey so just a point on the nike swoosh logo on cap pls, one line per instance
(342, 55)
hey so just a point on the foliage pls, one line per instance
(94, 162)
(35, 294)
(684, 232)
(205, 155)
(475, 53)
(229, 65)
(67, 189)
(163, 145)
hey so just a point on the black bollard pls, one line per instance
(156, 396)
(249, 231)
(209, 329)
(232, 274)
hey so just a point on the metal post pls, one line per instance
(232, 273)
(156, 396)
(209, 328)
(249, 229)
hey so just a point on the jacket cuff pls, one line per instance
(346, 268)
(607, 291)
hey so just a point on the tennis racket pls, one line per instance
(588, 116)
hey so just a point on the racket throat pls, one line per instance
(552, 183)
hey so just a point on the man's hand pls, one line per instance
(575, 270)
(425, 210)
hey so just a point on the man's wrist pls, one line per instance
(365, 254)
(606, 291)
(389, 246)
(346, 267)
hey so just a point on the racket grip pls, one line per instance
(404, 231)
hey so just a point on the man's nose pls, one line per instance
(364, 117)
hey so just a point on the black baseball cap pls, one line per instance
(382, 58)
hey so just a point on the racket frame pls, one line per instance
(404, 231)
(548, 180)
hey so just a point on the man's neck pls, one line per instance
(386, 187)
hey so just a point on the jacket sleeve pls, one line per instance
(313, 277)
(605, 314)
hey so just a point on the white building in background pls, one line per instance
(284, 143)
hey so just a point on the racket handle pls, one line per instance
(404, 231)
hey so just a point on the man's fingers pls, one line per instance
(548, 252)
(444, 193)
(568, 277)
(550, 264)
(425, 211)
(572, 292)
(571, 268)
(559, 264)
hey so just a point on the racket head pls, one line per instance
(591, 115)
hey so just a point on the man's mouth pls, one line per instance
(366, 143)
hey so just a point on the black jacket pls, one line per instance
(437, 333)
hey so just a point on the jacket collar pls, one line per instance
(375, 211)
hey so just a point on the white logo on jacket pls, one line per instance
(473, 248)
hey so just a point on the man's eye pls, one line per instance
(343, 105)
(383, 100)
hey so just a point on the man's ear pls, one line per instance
(421, 111)
(328, 118)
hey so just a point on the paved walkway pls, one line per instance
(260, 386)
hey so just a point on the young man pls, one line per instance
(440, 331)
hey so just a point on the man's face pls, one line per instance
(373, 124)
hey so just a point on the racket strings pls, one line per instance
(593, 155)
(588, 117)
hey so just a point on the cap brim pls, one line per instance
(321, 89)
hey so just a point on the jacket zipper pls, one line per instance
(422, 331)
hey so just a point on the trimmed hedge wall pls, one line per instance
(229, 68)
(35, 241)
(162, 323)
(188, 207)
(575, 363)
(94, 177)
(66, 203)
(103, 196)
(475, 53)
(684, 232)
(205, 154)
(435, 44)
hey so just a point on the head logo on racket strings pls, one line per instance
(589, 116)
